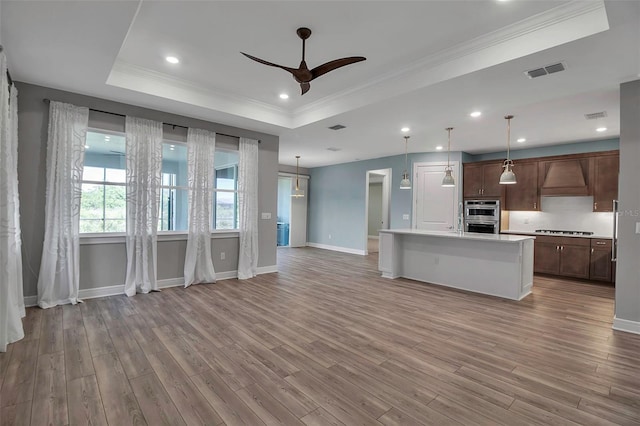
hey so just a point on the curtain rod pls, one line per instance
(46, 101)
(8, 75)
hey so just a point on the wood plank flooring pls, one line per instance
(326, 341)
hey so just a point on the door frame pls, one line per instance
(386, 202)
(455, 165)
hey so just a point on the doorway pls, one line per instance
(435, 208)
(292, 211)
(377, 207)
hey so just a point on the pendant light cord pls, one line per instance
(449, 129)
(406, 161)
(297, 166)
(508, 117)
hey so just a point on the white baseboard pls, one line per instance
(114, 290)
(30, 301)
(626, 325)
(337, 248)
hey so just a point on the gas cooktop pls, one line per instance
(554, 231)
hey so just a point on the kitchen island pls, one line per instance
(493, 264)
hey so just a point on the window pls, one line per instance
(225, 197)
(103, 207)
(174, 197)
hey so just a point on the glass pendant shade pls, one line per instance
(508, 177)
(405, 183)
(297, 193)
(448, 181)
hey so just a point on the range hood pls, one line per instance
(565, 177)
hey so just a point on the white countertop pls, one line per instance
(512, 232)
(461, 236)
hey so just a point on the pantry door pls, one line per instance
(435, 208)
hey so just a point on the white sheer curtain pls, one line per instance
(11, 297)
(248, 208)
(59, 278)
(201, 148)
(144, 172)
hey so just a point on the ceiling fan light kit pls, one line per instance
(303, 75)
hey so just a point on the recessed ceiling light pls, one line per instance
(475, 114)
(521, 140)
(284, 96)
(172, 59)
(405, 129)
(601, 129)
(439, 147)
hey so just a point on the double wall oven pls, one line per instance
(482, 216)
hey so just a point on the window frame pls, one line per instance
(236, 218)
(102, 183)
(173, 187)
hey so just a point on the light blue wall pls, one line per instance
(547, 151)
(337, 195)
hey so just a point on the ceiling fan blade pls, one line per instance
(305, 87)
(271, 64)
(336, 63)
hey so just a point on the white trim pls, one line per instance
(120, 238)
(30, 301)
(267, 269)
(337, 248)
(626, 325)
(386, 203)
(115, 290)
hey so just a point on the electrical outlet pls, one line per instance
(405, 217)
(266, 216)
(222, 255)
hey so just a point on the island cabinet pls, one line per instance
(523, 195)
(601, 265)
(564, 256)
(482, 179)
(605, 182)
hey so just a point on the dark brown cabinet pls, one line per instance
(564, 256)
(605, 182)
(523, 195)
(601, 265)
(482, 180)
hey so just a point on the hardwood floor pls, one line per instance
(326, 341)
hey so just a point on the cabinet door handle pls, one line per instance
(600, 243)
(595, 206)
(479, 191)
(591, 251)
(557, 248)
(561, 248)
(535, 205)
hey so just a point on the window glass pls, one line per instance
(225, 200)
(103, 205)
(174, 202)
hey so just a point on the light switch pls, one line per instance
(266, 215)
(405, 217)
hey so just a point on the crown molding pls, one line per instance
(140, 79)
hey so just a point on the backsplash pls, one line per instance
(564, 213)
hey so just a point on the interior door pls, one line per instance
(435, 207)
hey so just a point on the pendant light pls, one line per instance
(297, 193)
(405, 183)
(508, 177)
(448, 181)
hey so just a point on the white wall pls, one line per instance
(564, 213)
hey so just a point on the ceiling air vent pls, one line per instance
(333, 149)
(595, 115)
(549, 69)
(337, 127)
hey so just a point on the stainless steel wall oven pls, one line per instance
(482, 216)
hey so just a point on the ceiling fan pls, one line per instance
(303, 74)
